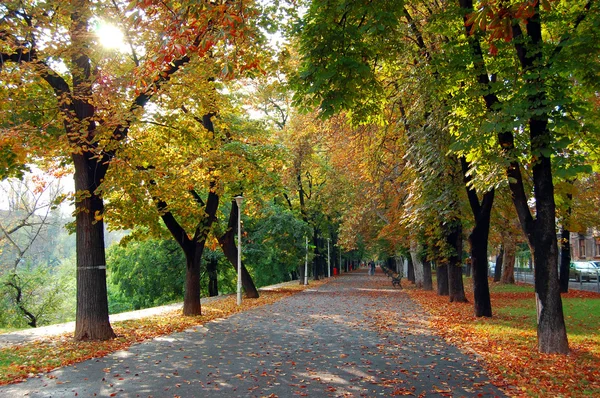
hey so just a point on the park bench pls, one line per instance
(396, 277)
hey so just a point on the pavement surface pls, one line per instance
(355, 336)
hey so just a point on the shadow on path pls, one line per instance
(355, 336)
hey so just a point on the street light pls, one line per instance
(238, 201)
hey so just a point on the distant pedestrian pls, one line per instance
(371, 267)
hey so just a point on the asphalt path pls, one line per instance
(355, 336)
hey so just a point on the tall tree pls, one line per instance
(98, 99)
(546, 103)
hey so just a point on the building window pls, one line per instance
(596, 247)
(581, 248)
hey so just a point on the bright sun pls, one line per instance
(110, 36)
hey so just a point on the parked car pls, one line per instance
(584, 271)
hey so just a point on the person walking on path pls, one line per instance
(326, 342)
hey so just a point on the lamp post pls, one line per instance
(238, 201)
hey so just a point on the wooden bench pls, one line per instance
(396, 277)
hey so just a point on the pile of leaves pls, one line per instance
(27, 360)
(507, 343)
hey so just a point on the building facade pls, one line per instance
(585, 246)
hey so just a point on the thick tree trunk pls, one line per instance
(92, 299)
(442, 280)
(427, 278)
(565, 259)
(191, 301)
(227, 243)
(213, 284)
(455, 281)
(481, 290)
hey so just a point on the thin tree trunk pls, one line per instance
(498, 266)
(565, 259)
(213, 284)
(508, 260)
(410, 271)
(415, 250)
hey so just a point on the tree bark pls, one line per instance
(92, 321)
(317, 255)
(191, 301)
(410, 271)
(565, 259)
(415, 251)
(442, 279)
(456, 287)
(508, 260)
(427, 278)
(498, 266)
(213, 284)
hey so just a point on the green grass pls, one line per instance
(582, 316)
(496, 287)
(7, 357)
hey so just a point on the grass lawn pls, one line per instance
(507, 343)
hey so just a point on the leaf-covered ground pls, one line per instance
(20, 362)
(507, 343)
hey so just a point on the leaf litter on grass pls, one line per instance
(507, 343)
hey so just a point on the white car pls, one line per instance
(584, 271)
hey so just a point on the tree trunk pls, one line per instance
(227, 243)
(565, 259)
(456, 287)
(508, 260)
(213, 285)
(191, 301)
(427, 278)
(442, 280)
(317, 255)
(498, 266)
(92, 299)
(481, 289)
(478, 240)
(410, 271)
(415, 251)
